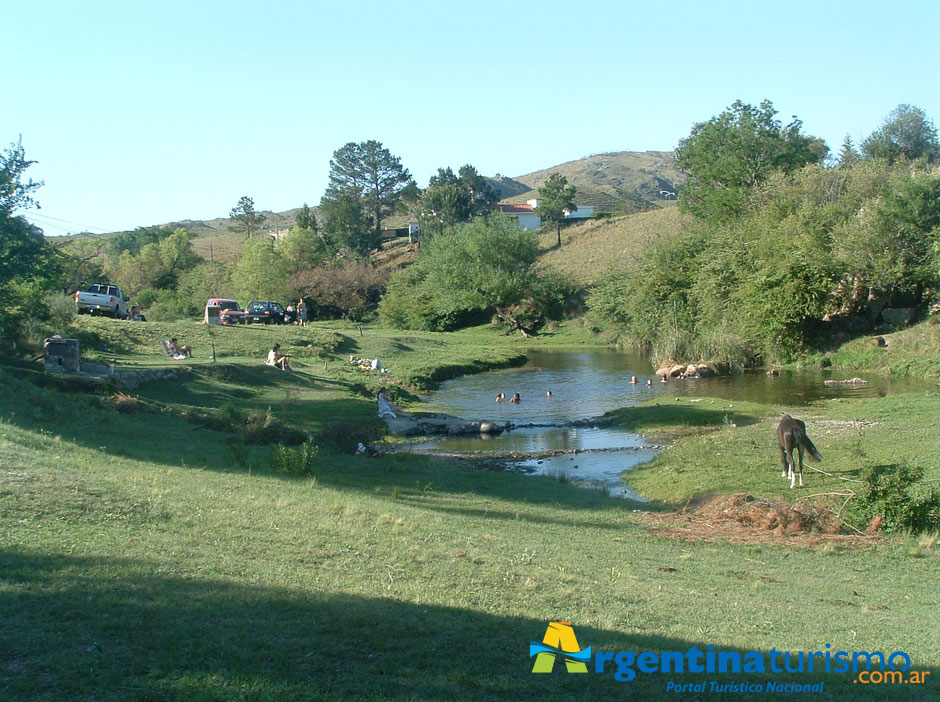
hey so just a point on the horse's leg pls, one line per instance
(783, 458)
(800, 447)
(791, 472)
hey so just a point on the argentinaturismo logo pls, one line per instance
(559, 640)
(866, 667)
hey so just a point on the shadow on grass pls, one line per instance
(54, 419)
(113, 629)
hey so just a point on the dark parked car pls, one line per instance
(265, 312)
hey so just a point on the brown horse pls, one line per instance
(791, 434)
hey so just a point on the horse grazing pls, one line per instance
(791, 434)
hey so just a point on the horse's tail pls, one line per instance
(803, 439)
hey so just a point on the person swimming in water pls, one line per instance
(515, 398)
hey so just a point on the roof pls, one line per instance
(515, 209)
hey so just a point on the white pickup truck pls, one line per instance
(102, 299)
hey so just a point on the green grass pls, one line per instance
(144, 557)
(738, 452)
(592, 248)
(911, 352)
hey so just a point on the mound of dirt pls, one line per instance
(766, 515)
(743, 518)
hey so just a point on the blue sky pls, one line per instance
(144, 113)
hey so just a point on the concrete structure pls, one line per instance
(62, 355)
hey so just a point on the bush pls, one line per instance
(298, 461)
(470, 271)
(263, 428)
(898, 494)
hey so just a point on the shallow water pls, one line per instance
(586, 383)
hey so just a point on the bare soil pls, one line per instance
(741, 518)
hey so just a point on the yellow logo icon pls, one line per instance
(559, 640)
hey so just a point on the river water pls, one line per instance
(585, 383)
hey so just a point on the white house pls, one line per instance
(525, 214)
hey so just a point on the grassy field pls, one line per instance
(590, 249)
(147, 557)
(737, 452)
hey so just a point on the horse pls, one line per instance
(791, 434)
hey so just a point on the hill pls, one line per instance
(623, 181)
(590, 248)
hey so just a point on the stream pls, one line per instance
(586, 383)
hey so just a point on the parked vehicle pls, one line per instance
(265, 312)
(102, 299)
(220, 310)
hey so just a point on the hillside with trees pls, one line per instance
(785, 251)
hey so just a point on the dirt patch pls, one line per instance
(741, 518)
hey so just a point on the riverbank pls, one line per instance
(144, 555)
(719, 447)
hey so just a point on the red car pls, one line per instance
(220, 310)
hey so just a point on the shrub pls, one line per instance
(298, 461)
(898, 494)
(263, 428)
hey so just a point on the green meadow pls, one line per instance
(151, 550)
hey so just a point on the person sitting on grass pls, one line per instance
(387, 408)
(178, 350)
(278, 359)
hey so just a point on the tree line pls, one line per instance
(327, 256)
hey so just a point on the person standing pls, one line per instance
(302, 312)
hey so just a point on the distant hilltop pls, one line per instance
(621, 181)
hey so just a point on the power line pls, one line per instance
(85, 227)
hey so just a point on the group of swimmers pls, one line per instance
(515, 399)
(649, 382)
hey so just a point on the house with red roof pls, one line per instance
(528, 219)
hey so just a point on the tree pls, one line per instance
(729, 155)
(848, 155)
(158, 265)
(305, 218)
(136, 240)
(303, 248)
(14, 193)
(82, 262)
(28, 265)
(470, 272)
(260, 273)
(556, 198)
(346, 225)
(906, 133)
(450, 199)
(371, 174)
(349, 291)
(482, 196)
(246, 219)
